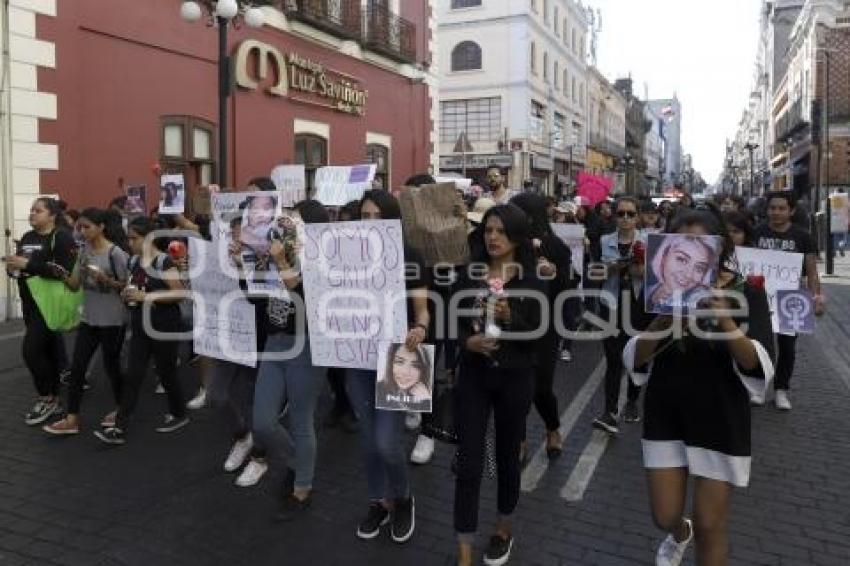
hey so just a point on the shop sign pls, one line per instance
(542, 162)
(298, 78)
(476, 161)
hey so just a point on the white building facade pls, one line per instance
(513, 82)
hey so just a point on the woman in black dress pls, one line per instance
(697, 404)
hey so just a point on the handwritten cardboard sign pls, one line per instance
(336, 186)
(353, 275)
(224, 321)
(434, 223)
(573, 236)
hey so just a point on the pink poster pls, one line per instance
(594, 188)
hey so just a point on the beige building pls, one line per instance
(606, 126)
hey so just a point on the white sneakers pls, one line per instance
(240, 451)
(412, 420)
(199, 401)
(252, 474)
(423, 451)
(757, 399)
(783, 402)
(670, 552)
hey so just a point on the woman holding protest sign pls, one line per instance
(697, 403)
(382, 432)
(496, 371)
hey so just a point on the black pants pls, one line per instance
(544, 376)
(786, 356)
(110, 339)
(40, 352)
(614, 374)
(507, 392)
(164, 354)
(336, 379)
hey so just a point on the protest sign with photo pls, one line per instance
(354, 288)
(405, 379)
(221, 331)
(336, 186)
(680, 270)
(781, 271)
(136, 203)
(291, 184)
(434, 223)
(795, 311)
(172, 194)
(573, 236)
(226, 210)
(260, 214)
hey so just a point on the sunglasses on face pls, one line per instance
(626, 214)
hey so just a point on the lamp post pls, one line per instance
(628, 161)
(221, 14)
(751, 147)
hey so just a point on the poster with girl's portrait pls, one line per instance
(136, 204)
(172, 194)
(680, 270)
(259, 228)
(405, 378)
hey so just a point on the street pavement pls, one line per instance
(164, 499)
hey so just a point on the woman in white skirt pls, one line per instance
(697, 403)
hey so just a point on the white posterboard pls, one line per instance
(573, 236)
(224, 322)
(336, 186)
(172, 194)
(225, 207)
(781, 271)
(840, 213)
(291, 184)
(353, 275)
(460, 183)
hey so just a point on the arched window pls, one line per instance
(466, 56)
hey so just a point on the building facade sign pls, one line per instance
(299, 78)
(542, 162)
(476, 161)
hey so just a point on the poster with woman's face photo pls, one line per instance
(135, 205)
(405, 378)
(680, 270)
(172, 194)
(260, 213)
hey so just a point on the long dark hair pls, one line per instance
(421, 355)
(534, 206)
(516, 229)
(144, 226)
(55, 209)
(742, 222)
(386, 203)
(110, 220)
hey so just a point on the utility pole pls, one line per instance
(751, 147)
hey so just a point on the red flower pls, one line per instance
(639, 252)
(756, 282)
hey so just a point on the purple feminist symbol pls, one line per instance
(795, 308)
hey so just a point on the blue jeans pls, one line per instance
(382, 436)
(297, 381)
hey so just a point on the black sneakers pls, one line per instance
(498, 551)
(112, 435)
(172, 423)
(377, 517)
(607, 422)
(403, 520)
(41, 411)
(631, 414)
(292, 507)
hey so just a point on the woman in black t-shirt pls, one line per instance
(45, 251)
(152, 294)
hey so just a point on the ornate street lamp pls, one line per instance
(221, 14)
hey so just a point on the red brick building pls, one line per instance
(136, 85)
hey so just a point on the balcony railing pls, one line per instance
(338, 17)
(603, 145)
(389, 34)
(791, 122)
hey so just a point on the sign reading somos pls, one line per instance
(314, 83)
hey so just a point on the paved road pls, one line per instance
(163, 500)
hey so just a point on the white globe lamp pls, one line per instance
(190, 11)
(226, 9)
(254, 17)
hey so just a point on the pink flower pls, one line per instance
(497, 286)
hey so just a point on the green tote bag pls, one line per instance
(59, 305)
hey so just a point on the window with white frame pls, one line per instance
(479, 118)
